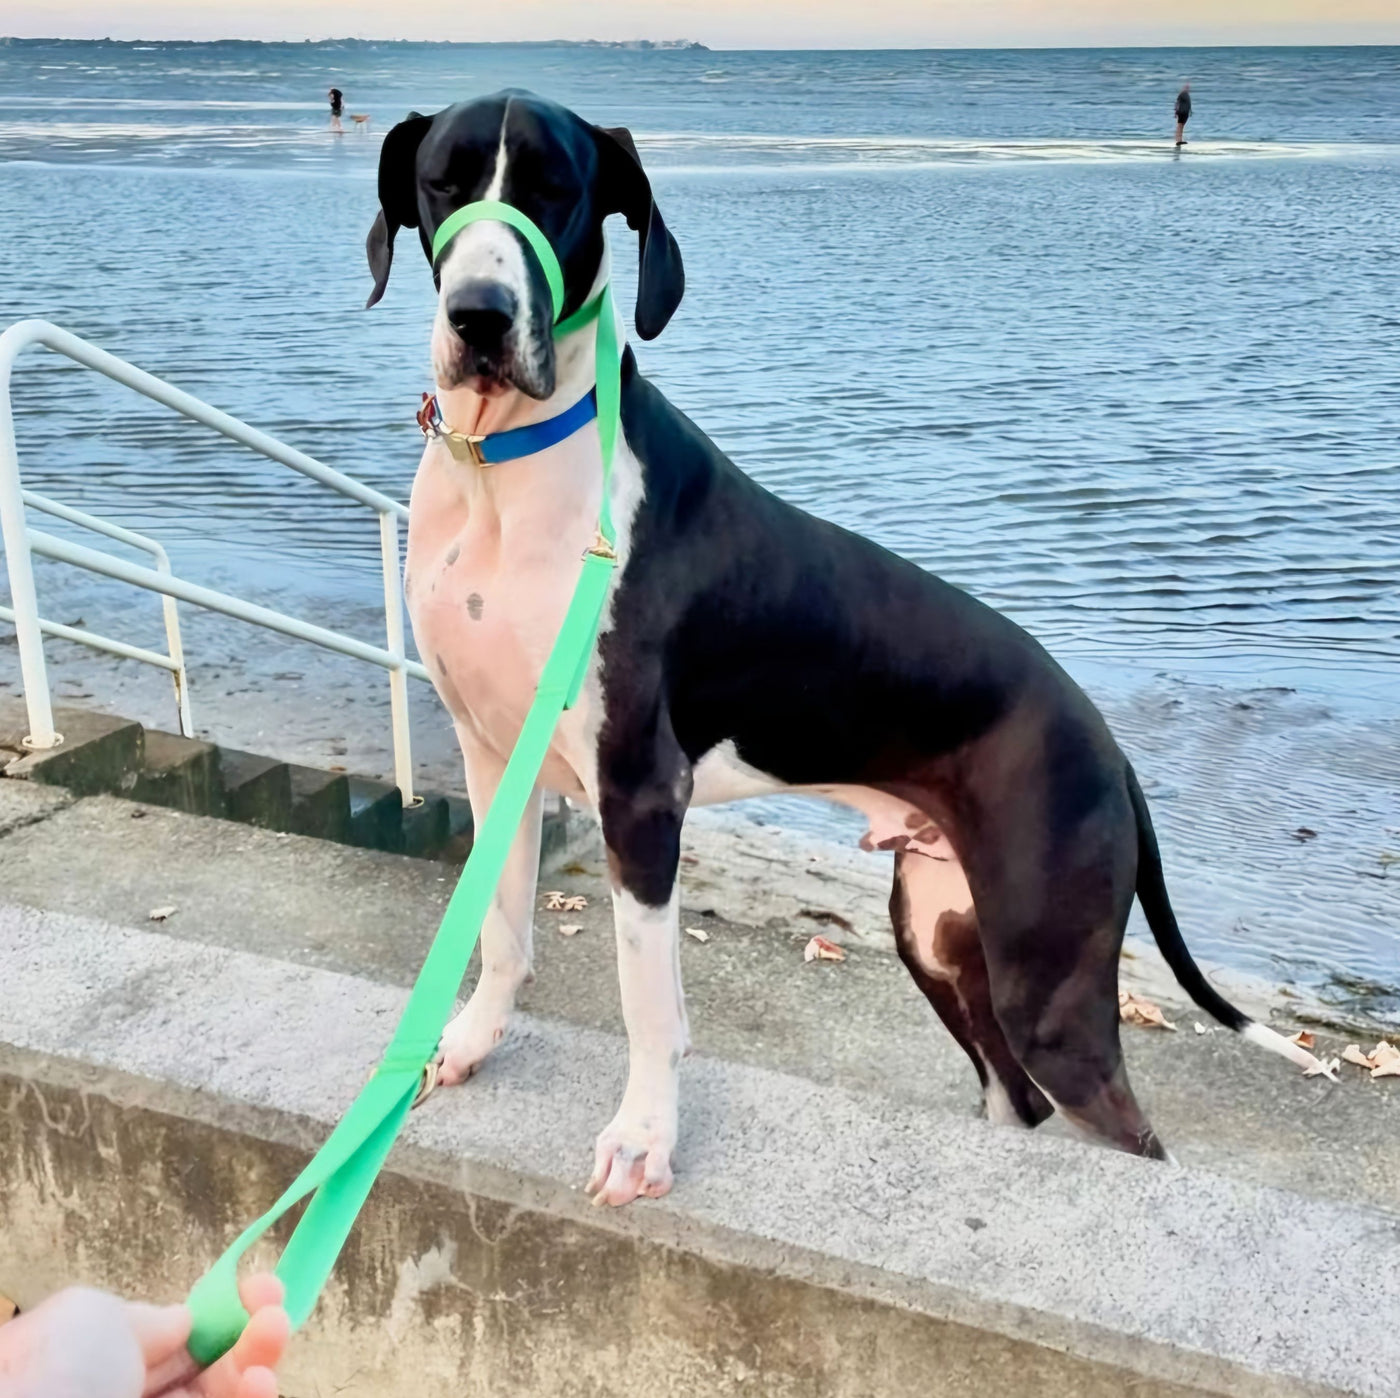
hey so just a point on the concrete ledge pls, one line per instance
(97, 750)
(159, 1092)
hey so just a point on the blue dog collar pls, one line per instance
(496, 447)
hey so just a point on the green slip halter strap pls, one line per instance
(341, 1173)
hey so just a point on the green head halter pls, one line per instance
(608, 353)
(495, 210)
(341, 1173)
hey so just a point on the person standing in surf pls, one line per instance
(337, 100)
(1183, 112)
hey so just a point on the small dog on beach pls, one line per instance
(747, 648)
(337, 100)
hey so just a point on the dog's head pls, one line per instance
(495, 316)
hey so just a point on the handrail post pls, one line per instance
(176, 649)
(20, 567)
(394, 643)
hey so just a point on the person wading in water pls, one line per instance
(337, 107)
(1183, 112)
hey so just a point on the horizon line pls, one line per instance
(643, 44)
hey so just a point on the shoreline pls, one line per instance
(1276, 814)
(788, 858)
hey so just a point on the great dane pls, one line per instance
(747, 648)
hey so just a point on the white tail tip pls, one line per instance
(1266, 1038)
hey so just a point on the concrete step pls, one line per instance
(320, 803)
(376, 814)
(182, 773)
(105, 754)
(96, 754)
(426, 825)
(257, 789)
(818, 1242)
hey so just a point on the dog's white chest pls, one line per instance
(491, 566)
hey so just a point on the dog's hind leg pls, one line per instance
(942, 950)
(506, 934)
(1053, 906)
(1065, 1032)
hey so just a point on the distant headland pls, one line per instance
(689, 45)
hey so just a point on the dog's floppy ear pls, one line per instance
(398, 197)
(625, 189)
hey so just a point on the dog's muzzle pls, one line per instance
(482, 315)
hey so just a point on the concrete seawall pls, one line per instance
(159, 1092)
(842, 1226)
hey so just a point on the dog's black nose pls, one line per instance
(482, 313)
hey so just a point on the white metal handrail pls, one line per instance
(21, 542)
(174, 661)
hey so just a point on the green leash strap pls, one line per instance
(340, 1175)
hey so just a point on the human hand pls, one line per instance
(88, 1344)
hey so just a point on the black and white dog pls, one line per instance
(747, 648)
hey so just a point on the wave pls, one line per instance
(709, 149)
(136, 128)
(153, 104)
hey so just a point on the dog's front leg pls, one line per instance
(642, 813)
(506, 934)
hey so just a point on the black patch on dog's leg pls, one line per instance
(644, 784)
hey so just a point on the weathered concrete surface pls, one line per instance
(22, 804)
(818, 1242)
(860, 1025)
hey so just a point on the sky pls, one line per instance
(730, 23)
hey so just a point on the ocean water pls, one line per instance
(970, 303)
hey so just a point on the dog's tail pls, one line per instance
(1152, 894)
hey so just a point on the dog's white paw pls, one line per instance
(467, 1042)
(633, 1156)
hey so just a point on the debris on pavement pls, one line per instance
(698, 933)
(822, 949)
(559, 902)
(570, 929)
(1134, 1009)
(1383, 1061)
(160, 914)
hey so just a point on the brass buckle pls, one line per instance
(464, 446)
(425, 1088)
(600, 548)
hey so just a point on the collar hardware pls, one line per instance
(464, 446)
(496, 447)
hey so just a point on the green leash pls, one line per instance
(340, 1175)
